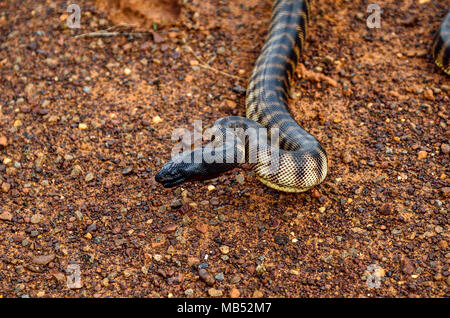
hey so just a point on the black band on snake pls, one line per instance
(301, 161)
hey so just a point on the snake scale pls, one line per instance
(301, 161)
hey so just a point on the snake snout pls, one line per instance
(169, 175)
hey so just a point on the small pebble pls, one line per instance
(127, 170)
(157, 119)
(235, 293)
(206, 276)
(3, 141)
(215, 292)
(219, 276)
(224, 249)
(43, 259)
(422, 155)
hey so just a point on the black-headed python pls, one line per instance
(300, 160)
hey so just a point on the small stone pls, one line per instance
(294, 272)
(315, 193)
(127, 71)
(3, 141)
(231, 104)
(240, 178)
(6, 187)
(6, 216)
(422, 155)
(206, 276)
(202, 227)
(438, 229)
(89, 177)
(36, 218)
(169, 228)
(260, 270)
(257, 294)
(76, 171)
(91, 228)
(219, 276)
(347, 157)
(360, 15)
(236, 279)
(43, 259)
(221, 50)
(105, 282)
(327, 258)
(176, 203)
(53, 119)
(215, 292)
(445, 191)
(82, 126)
(408, 267)
(127, 170)
(428, 94)
(224, 249)
(445, 148)
(386, 209)
(186, 220)
(25, 109)
(189, 292)
(88, 236)
(235, 293)
(193, 261)
(281, 239)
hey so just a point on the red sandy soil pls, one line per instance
(80, 142)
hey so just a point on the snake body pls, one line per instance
(301, 159)
(441, 45)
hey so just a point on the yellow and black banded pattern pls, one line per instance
(441, 45)
(301, 160)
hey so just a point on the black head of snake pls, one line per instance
(301, 161)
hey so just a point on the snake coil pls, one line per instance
(301, 161)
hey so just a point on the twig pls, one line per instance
(206, 66)
(106, 33)
(220, 72)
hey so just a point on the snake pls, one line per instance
(297, 161)
(441, 45)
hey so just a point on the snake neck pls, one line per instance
(270, 82)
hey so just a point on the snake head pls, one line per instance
(173, 173)
(184, 168)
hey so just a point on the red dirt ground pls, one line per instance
(80, 142)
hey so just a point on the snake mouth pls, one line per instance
(169, 178)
